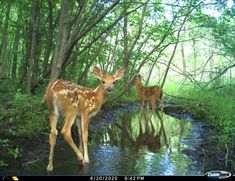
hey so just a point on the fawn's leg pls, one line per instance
(161, 105)
(148, 105)
(85, 122)
(66, 132)
(52, 139)
(79, 125)
(153, 102)
(141, 104)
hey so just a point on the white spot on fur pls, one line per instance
(54, 85)
(62, 92)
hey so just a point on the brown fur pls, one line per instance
(151, 93)
(76, 102)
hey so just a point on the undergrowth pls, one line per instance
(211, 104)
(22, 118)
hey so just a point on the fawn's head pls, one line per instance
(108, 81)
(136, 79)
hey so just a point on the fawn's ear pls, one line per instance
(119, 73)
(97, 72)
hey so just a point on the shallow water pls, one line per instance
(135, 144)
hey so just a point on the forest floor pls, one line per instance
(34, 150)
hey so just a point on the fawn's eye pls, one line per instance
(103, 82)
(114, 82)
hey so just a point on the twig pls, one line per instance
(178, 97)
(226, 156)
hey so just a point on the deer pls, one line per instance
(151, 93)
(76, 102)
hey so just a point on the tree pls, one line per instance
(61, 40)
(34, 44)
(4, 43)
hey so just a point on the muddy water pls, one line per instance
(134, 144)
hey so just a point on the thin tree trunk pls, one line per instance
(205, 65)
(139, 31)
(27, 42)
(173, 53)
(125, 39)
(211, 64)
(178, 35)
(153, 65)
(30, 72)
(194, 59)
(38, 46)
(49, 38)
(4, 43)
(74, 38)
(60, 42)
(15, 50)
(183, 60)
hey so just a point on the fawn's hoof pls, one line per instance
(85, 161)
(49, 168)
(80, 157)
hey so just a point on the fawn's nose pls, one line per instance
(109, 89)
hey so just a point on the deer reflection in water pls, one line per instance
(137, 131)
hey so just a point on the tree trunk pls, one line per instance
(15, 49)
(154, 63)
(75, 36)
(4, 43)
(125, 39)
(27, 41)
(211, 64)
(34, 22)
(173, 53)
(194, 59)
(60, 42)
(49, 38)
(183, 61)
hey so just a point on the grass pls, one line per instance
(215, 106)
(26, 117)
(23, 119)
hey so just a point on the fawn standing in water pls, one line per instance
(78, 103)
(151, 93)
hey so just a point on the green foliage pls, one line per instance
(214, 106)
(26, 118)
(7, 91)
(131, 96)
(7, 150)
(3, 164)
(15, 153)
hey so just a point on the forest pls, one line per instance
(187, 47)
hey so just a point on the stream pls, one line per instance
(129, 143)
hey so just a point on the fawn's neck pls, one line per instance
(139, 85)
(101, 94)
